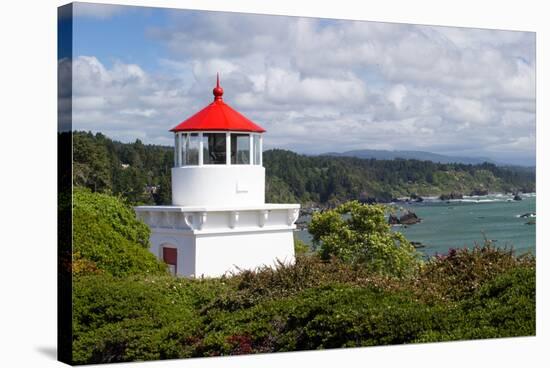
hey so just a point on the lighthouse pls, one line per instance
(218, 221)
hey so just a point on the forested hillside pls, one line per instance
(327, 179)
(141, 173)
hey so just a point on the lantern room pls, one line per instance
(218, 157)
(217, 135)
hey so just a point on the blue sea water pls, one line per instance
(463, 223)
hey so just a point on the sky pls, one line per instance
(316, 85)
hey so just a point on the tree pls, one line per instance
(359, 234)
(90, 163)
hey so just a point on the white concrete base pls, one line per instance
(213, 255)
(211, 242)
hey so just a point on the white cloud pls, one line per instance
(327, 85)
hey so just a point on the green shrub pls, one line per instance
(461, 272)
(300, 248)
(313, 304)
(107, 234)
(359, 233)
(502, 307)
(249, 288)
(331, 316)
(138, 318)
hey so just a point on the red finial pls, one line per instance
(218, 91)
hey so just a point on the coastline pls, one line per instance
(464, 222)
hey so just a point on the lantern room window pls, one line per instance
(218, 148)
(191, 148)
(240, 149)
(214, 149)
(257, 141)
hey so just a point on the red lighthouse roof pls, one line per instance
(218, 116)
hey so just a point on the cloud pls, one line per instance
(326, 85)
(124, 101)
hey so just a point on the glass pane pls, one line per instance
(192, 148)
(257, 150)
(205, 150)
(183, 145)
(176, 149)
(214, 151)
(240, 149)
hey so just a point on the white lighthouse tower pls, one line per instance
(219, 221)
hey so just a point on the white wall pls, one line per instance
(219, 253)
(219, 185)
(184, 243)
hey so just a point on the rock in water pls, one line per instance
(417, 245)
(517, 197)
(393, 220)
(452, 195)
(409, 218)
(479, 192)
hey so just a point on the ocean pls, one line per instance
(465, 222)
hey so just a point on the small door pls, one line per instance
(170, 257)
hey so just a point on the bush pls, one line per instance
(358, 233)
(249, 288)
(300, 248)
(331, 316)
(313, 304)
(121, 320)
(461, 272)
(502, 307)
(107, 236)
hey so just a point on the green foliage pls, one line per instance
(330, 316)
(127, 319)
(359, 233)
(300, 248)
(91, 167)
(313, 304)
(502, 307)
(460, 273)
(107, 233)
(333, 180)
(141, 173)
(277, 191)
(335, 316)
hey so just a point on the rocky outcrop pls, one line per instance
(409, 218)
(452, 195)
(393, 220)
(479, 192)
(417, 245)
(412, 198)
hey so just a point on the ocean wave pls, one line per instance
(474, 200)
